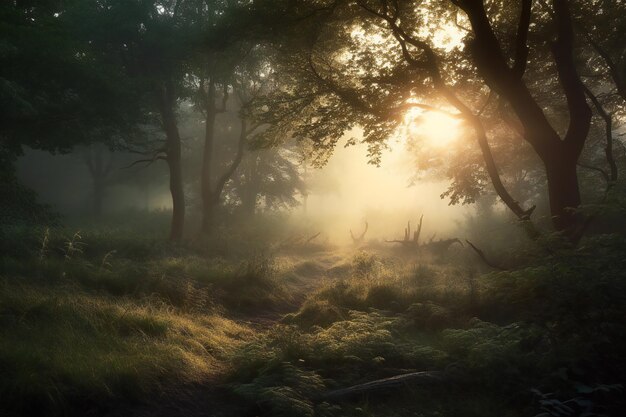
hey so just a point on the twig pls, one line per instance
(312, 237)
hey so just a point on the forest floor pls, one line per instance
(301, 275)
(113, 324)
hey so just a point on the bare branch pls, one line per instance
(361, 236)
(608, 131)
(309, 240)
(148, 162)
(602, 172)
(483, 257)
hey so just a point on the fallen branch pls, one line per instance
(415, 378)
(309, 240)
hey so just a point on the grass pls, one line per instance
(91, 319)
(541, 339)
(96, 323)
(61, 347)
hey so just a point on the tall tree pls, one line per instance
(228, 73)
(366, 62)
(152, 42)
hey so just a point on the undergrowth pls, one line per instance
(545, 340)
(89, 320)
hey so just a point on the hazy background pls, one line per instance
(342, 195)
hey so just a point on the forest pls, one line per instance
(312, 208)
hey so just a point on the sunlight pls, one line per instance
(436, 128)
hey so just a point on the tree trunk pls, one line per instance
(208, 216)
(178, 199)
(98, 197)
(208, 210)
(173, 150)
(563, 192)
(212, 193)
(99, 171)
(252, 184)
(558, 154)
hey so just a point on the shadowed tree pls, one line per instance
(267, 179)
(152, 42)
(227, 74)
(99, 163)
(57, 90)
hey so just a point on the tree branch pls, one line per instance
(221, 182)
(483, 257)
(148, 161)
(602, 172)
(608, 131)
(562, 50)
(521, 47)
(433, 67)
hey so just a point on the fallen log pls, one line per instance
(398, 381)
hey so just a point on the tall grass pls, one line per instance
(89, 320)
(61, 347)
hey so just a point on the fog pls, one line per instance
(385, 196)
(343, 194)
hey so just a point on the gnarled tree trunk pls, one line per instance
(559, 155)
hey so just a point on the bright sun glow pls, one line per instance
(438, 129)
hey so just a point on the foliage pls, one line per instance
(19, 204)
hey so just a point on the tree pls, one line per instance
(152, 43)
(370, 61)
(226, 69)
(269, 179)
(56, 89)
(100, 167)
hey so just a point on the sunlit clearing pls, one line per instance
(436, 128)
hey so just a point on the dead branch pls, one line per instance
(398, 381)
(483, 257)
(416, 235)
(440, 246)
(148, 161)
(359, 239)
(309, 240)
(435, 247)
(407, 241)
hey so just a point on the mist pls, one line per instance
(349, 191)
(312, 208)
